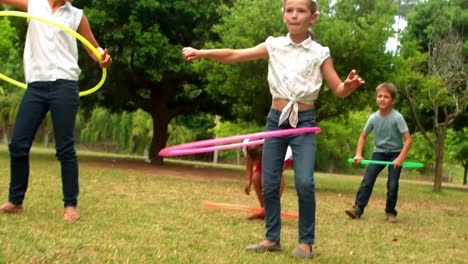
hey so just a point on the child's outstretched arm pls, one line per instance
(20, 4)
(340, 88)
(226, 55)
(398, 162)
(85, 30)
(360, 147)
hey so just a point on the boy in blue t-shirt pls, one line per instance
(389, 128)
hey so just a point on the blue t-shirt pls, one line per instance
(388, 131)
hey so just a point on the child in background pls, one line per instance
(390, 129)
(297, 66)
(253, 166)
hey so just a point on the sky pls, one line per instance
(392, 44)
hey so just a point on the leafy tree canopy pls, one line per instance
(354, 32)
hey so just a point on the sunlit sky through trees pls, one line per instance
(400, 24)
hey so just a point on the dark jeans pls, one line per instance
(274, 151)
(367, 184)
(62, 100)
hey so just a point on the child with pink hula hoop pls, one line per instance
(253, 168)
(297, 66)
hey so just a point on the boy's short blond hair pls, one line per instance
(389, 87)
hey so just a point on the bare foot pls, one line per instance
(306, 247)
(11, 208)
(71, 214)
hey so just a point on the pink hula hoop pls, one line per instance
(216, 144)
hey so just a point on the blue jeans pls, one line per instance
(62, 100)
(274, 151)
(367, 184)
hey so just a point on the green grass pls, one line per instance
(146, 214)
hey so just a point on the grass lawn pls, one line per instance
(133, 212)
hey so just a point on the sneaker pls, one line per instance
(391, 218)
(355, 212)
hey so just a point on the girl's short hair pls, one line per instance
(389, 87)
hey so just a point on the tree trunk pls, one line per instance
(215, 153)
(465, 177)
(135, 142)
(439, 162)
(46, 138)
(5, 133)
(438, 173)
(160, 126)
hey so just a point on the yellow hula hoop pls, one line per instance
(66, 29)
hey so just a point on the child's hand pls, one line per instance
(357, 159)
(190, 53)
(106, 58)
(398, 162)
(353, 81)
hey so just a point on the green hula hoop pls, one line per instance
(66, 29)
(406, 164)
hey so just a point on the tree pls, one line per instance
(352, 29)
(243, 85)
(405, 7)
(146, 37)
(343, 132)
(239, 127)
(462, 157)
(99, 127)
(10, 95)
(9, 103)
(431, 73)
(141, 131)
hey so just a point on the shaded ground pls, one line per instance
(203, 173)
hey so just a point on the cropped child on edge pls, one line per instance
(297, 66)
(253, 168)
(52, 72)
(389, 128)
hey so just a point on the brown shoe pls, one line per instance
(355, 212)
(260, 248)
(391, 218)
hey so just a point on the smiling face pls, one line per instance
(299, 15)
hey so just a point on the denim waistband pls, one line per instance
(277, 113)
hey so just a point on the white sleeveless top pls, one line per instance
(294, 73)
(51, 53)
